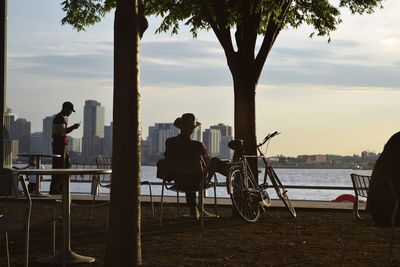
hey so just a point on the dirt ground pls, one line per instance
(314, 238)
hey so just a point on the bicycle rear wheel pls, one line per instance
(281, 190)
(244, 195)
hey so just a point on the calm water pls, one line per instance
(313, 177)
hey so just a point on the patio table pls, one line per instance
(66, 256)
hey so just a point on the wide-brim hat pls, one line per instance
(186, 121)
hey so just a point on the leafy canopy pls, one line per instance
(322, 15)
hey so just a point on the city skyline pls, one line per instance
(340, 97)
(92, 130)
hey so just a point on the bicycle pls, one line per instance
(247, 195)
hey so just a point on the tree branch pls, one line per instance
(273, 29)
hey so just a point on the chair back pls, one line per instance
(187, 175)
(360, 184)
(17, 205)
(104, 163)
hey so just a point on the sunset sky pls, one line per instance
(341, 97)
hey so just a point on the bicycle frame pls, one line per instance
(252, 186)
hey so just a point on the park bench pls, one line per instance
(361, 185)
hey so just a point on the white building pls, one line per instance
(158, 134)
(212, 139)
(93, 129)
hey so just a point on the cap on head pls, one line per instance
(68, 106)
(186, 121)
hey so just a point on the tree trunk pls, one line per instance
(123, 239)
(245, 114)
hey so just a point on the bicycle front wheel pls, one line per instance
(244, 195)
(281, 191)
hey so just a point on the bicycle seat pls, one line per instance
(236, 145)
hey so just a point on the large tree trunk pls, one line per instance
(245, 116)
(123, 240)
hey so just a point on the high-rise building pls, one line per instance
(14, 149)
(212, 139)
(47, 134)
(93, 129)
(108, 133)
(158, 134)
(226, 136)
(226, 130)
(74, 144)
(21, 131)
(36, 143)
(197, 134)
(7, 142)
(224, 151)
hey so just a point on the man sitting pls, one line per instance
(184, 154)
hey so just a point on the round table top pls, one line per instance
(64, 171)
(38, 155)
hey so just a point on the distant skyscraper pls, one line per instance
(47, 132)
(224, 151)
(93, 129)
(108, 131)
(212, 139)
(226, 136)
(158, 134)
(226, 130)
(14, 149)
(197, 134)
(7, 142)
(74, 144)
(21, 131)
(36, 143)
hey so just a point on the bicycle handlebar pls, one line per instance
(268, 137)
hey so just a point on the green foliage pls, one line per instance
(81, 13)
(322, 15)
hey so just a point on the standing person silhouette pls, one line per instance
(60, 144)
(380, 201)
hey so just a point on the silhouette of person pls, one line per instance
(60, 144)
(380, 201)
(183, 150)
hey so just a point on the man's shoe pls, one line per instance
(207, 214)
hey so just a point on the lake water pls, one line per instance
(310, 177)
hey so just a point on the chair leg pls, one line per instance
(161, 203)
(201, 200)
(215, 199)
(53, 235)
(151, 199)
(95, 191)
(7, 249)
(27, 246)
(393, 232)
(356, 213)
(178, 203)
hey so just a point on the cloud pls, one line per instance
(52, 66)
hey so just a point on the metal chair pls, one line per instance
(106, 163)
(167, 170)
(361, 186)
(20, 223)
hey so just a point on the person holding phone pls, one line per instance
(60, 144)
